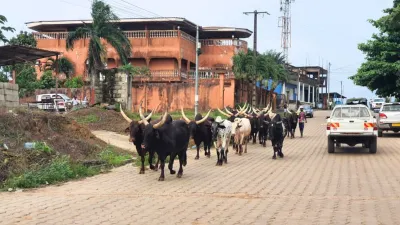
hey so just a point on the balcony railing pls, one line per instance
(210, 74)
(128, 34)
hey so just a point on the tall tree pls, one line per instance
(276, 70)
(4, 28)
(104, 26)
(25, 39)
(381, 71)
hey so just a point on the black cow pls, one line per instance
(136, 135)
(254, 127)
(262, 128)
(293, 123)
(200, 132)
(276, 133)
(167, 139)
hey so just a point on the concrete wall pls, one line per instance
(9, 97)
(176, 95)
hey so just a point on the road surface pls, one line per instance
(308, 186)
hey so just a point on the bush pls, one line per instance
(75, 82)
(47, 80)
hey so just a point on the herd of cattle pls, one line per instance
(168, 137)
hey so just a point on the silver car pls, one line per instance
(389, 118)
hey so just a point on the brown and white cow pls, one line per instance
(241, 130)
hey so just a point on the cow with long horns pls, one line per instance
(200, 131)
(276, 133)
(167, 139)
(136, 134)
(241, 129)
(221, 135)
(262, 124)
(238, 113)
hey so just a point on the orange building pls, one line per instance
(165, 45)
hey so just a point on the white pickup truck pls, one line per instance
(351, 125)
(389, 118)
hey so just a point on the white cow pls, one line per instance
(241, 130)
(221, 135)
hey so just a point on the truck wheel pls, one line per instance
(380, 133)
(331, 145)
(373, 145)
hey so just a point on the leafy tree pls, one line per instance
(47, 80)
(3, 20)
(75, 82)
(131, 70)
(26, 79)
(25, 39)
(104, 26)
(380, 72)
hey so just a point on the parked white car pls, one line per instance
(352, 125)
(389, 118)
(377, 103)
(50, 102)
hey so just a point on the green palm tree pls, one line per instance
(276, 70)
(103, 27)
(3, 20)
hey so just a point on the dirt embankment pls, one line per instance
(96, 118)
(62, 134)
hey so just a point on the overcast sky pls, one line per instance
(322, 30)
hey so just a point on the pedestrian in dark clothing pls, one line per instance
(302, 119)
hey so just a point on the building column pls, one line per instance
(313, 94)
(298, 92)
(221, 90)
(303, 94)
(309, 94)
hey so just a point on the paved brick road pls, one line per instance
(307, 187)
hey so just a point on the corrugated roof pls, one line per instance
(12, 54)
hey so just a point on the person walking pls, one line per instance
(302, 119)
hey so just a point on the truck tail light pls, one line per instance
(375, 126)
(328, 126)
(382, 116)
(60, 103)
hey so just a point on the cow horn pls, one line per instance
(123, 114)
(230, 113)
(184, 116)
(225, 114)
(161, 123)
(141, 115)
(204, 118)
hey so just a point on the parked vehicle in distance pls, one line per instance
(308, 110)
(355, 101)
(50, 102)
(377, 103)
(352, 125)
(389, 118)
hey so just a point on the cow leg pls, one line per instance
(171, 163)
(142, 153)
(151, 156)
(162, 165)
(217, 157)
(226, 156)
(198, 149)
(221, 159)
(181, 156)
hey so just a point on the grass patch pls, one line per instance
(88, 119)
(112, 158)
(62, 168)
(43, 147)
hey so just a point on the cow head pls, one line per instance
(216, 126)
(194, 124)
(135, 127)
(237, 124)
(151, 131)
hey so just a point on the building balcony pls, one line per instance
(183, 75)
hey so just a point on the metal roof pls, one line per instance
(141, 23)
(12, 54)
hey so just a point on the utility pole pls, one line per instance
(341, 91)
(196, 95)
(254, 95)
(328, 80)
